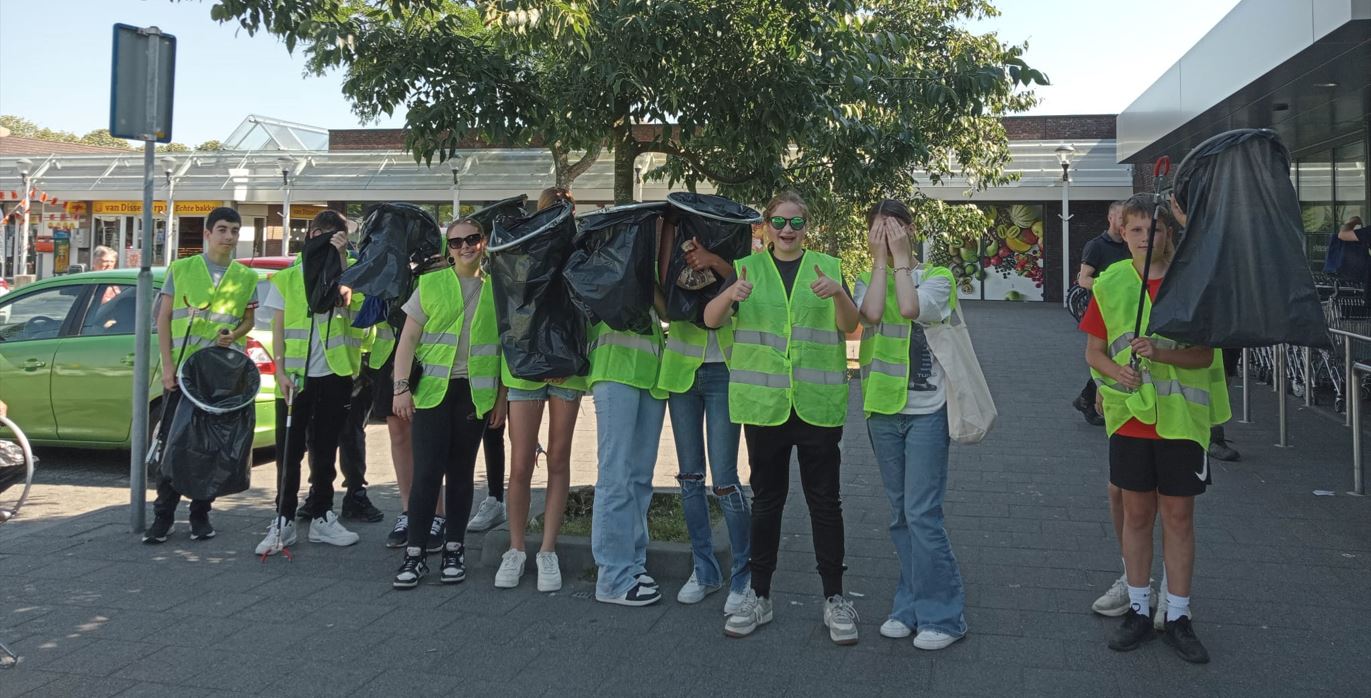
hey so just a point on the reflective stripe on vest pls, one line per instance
(625, 357)
(382, 344)
(1181, 403)
(201, 308)
(341, 342)
(787, 352)
(884, 355)
(440, 295)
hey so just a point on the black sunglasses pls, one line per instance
(796, 223)
(471, 240)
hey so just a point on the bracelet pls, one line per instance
(401, 383)
(400, 392)
(903, 268)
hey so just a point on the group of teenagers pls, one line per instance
(767, 359)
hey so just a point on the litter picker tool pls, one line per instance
(284, 452)
(1159, 172)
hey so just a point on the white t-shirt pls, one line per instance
(927, 381)
(318, 363)
(471, 293)
(713, 354)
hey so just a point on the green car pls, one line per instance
(66, 360)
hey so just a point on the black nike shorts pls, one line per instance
(1173, 467)
(382, 389)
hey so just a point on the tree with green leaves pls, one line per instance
(842, 100)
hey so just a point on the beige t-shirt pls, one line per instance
(471, 293)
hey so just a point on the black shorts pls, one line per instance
(1172, 467)
(382, 389)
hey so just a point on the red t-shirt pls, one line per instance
(1093, 325)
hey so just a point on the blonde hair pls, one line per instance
(786, 197)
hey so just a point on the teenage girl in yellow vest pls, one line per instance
(450, 327)
(904, 395)
(527, 400)
(788, 388)
(1158, 413)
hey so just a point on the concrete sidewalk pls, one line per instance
(1279, 594)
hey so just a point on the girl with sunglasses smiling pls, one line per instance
(451, 329)
(788, 388)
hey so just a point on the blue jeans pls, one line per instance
(628, 426)
(911, 450)
(708, 399)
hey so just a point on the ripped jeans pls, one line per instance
(700, 410)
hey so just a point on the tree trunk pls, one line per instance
(625, 152)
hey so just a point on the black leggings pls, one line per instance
(446, 438)
(494, 443)
(769, 451)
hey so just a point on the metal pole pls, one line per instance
(1281, 389)
(21, 243)
(1246, 391)
(168, 245)
(457, 201)
(285, 220)
(1308, 380)
(142, 333)
(1349, 391)
(1354, 411)
(1066, 235)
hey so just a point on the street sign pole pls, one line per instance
(140, 109)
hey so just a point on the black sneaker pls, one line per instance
(639, 595)
(400, 534)
(358, 507)
(453, 569)
(158, 531)
(413, 569)
(200, 528)
(1181, 637)
(437, 533)
(312, 508)
(1135, 630)
(1219, 448)
(1087, 410)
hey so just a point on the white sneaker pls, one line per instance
(755, 611)
(549, 572)
(934, 640)
(327, 529)
(489, 514)
(895, 630)
(694, 591)
(278, 537)
(841, 618)
(511, 569)
(734, 602)
(1113, 603)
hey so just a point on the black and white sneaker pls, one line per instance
(646, 580)
(453, 569)
(400, 534)
(1181, 637)
(159, 530)
(312, 508)
(1087, 410)
(437, 533)
(413, 569)
(638, 595)
(200, 528)
(358, 507)
(1132, 633)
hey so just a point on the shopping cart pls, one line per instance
(16, 466)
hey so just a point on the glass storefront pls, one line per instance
(1332, 188)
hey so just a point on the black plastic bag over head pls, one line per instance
(1239, 277)
(720, 225)
(542, 333)
(611, 271)
(399, 241)
(321, 269)
(503, 213)
(208, 449)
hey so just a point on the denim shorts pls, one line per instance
(542, 392)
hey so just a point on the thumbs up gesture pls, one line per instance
(741, 288)
(824, 287)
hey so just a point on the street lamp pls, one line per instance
(1064, 154)
(21, 242)
(169, 241)
(286, 164)
(457, 171)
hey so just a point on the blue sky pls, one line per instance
(54, 60)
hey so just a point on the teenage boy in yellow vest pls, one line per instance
(317, 357)
(1160, 400)
(205, 300)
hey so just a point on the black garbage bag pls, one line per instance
(1240, 277)
(208, 450)
(720, 225)
(321, 269)
(610, 272)
(399, 241)
(503, 212)
(542, 333)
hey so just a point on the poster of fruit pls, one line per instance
(1013, 260)
(963, 258)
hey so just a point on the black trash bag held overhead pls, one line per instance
(722, 226)
(542, 334)
(399, 241)
(612, 270)
(1239, 277)
(208, 451)
(321, 269)
(502, 213)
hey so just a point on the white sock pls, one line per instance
(1138, 597)
(1124, 567)
(1176, 606)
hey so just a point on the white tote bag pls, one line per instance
(970, 408)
